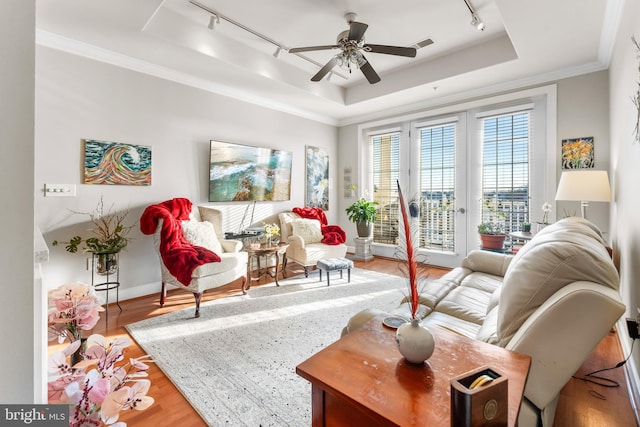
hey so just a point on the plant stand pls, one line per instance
(109, 283)
(363, 249)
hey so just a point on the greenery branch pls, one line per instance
(109, 229)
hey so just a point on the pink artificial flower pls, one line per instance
(101, 388)
(58, 364)
(56, 389)
(133, 397)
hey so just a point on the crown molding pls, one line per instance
(509, 86)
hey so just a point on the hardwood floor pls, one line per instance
(581, 404)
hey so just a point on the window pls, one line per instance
(505, 169)
(456, 158)
(437, 186)
(385, 169)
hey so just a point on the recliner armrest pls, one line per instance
(487, 262)
(231, 245)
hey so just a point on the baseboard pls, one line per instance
(631, 372)
(134, 292)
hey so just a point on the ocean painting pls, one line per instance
(116, 163)
(245, 173)
(317, 178)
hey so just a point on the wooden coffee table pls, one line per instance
(362, 380)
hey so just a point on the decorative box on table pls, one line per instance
(479, 398)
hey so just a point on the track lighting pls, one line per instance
(215, 17)
(475, 20)
(213, 21)
(477, 23)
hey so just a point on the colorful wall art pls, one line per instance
(241, 173)
(116, 163)
(577, 153)
(317, 178)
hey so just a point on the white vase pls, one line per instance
(415, 342)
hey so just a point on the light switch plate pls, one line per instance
(59, 190)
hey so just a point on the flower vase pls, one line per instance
(78, 355)
(415, 342)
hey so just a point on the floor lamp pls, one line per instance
(584, 186)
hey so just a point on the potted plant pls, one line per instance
(492, 230)
(363, 213)
(491, 235)
(110, 237)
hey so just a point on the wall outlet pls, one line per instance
(632, 328)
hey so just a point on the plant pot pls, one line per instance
(492, 241)
(526, 228)
(364, 229)
(106, 263)
(415, 342)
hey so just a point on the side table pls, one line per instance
(256, 253)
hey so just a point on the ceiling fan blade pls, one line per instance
(310, 48)
(357, 30)
(391, 50)
(324, 70)
(369, 72)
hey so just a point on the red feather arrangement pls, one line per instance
(412, 263)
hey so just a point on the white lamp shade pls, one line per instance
(584, 185)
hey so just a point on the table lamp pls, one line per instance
(584, 186)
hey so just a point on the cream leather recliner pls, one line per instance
(303, 252)
(555, 300)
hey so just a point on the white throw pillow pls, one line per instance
(308, 229)
(201, 234)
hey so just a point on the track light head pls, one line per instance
(477, 23)
(213, 21)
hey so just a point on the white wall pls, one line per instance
(17, 361)
(583, 110)
(80, 98)
(624, 75)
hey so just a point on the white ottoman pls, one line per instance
(333, 264)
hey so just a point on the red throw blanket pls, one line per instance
(180, 256)
(332, 234)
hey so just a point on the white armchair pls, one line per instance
(204, 228)
(304, 249)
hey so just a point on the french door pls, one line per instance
(462, 168)
(428, 158)
(437, 155)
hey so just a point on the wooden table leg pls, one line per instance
(276, 272)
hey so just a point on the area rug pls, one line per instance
(236, 363)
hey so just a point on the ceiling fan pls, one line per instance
(352, 45)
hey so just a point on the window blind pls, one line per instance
(437, 187)
(505, 169)
(385, 166)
